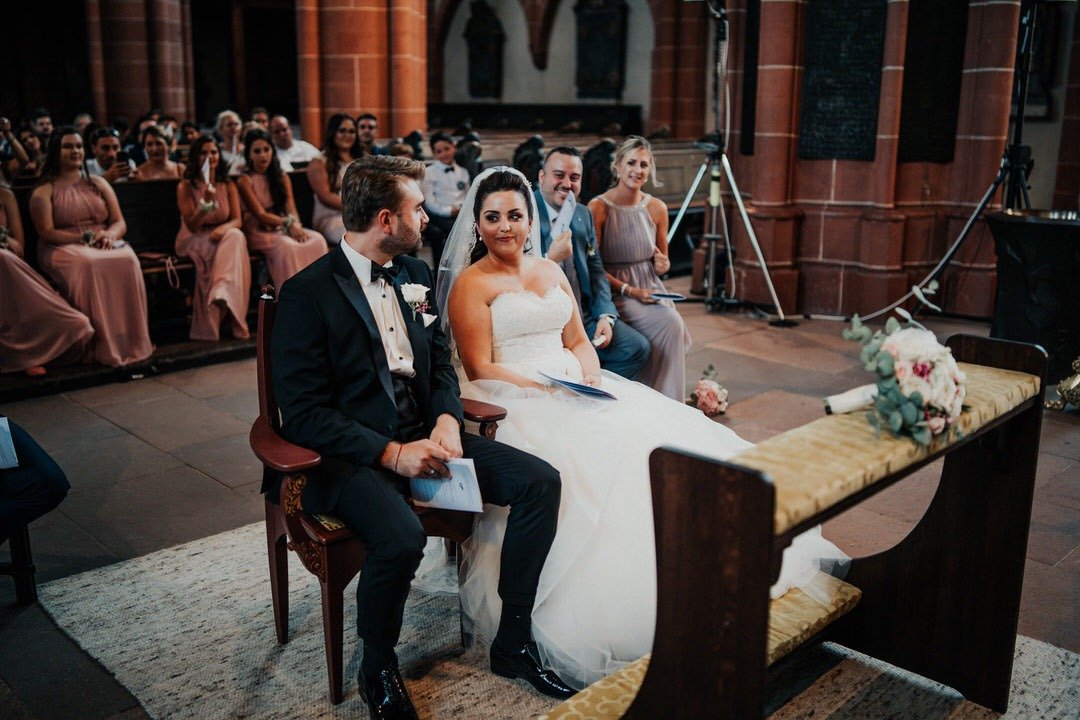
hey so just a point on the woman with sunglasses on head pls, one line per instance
(271, 222)
(81, 246)
(210, 235)
(341, 146)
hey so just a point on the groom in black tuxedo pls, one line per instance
(363, 375)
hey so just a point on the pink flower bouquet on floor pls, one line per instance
(709, 396)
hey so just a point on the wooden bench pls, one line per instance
(943, 603)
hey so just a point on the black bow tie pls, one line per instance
(386, 273)
(449, 169)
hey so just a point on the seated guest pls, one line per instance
(631, 232)
(340, 147)
(109, 161)
(400, 149)
(37, 326)
(260, 116)
(290, 151)
(13, 155)
(35, 154)
(170, 128)
(132, 144)
(31, 489)
(158, 166)
(81, 247)
(367, 125)
(210, 235)
(189, 133)
(83, 121)
(272, 223)
(40, 121)
(445, 185)
(229, 128)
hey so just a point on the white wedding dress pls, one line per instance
(595, 607)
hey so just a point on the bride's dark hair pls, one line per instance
(497, 182)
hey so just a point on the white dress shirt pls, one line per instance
(93, 167)
(299, 151)
(444, 188)
(384, 304)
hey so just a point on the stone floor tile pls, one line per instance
(1061, 435)
(242, 405)
(228, 460)
(213, 380)
(50, 673)
(908, 499)
(860, 532)
(819, 353)
(778, 409)
(56, 421)
(174, 422)
(1071, 562)
(122, 392)
(139, 516)
(60, 548)
(1049, 467)
(1055, 531)
(1062, 489)
(91, 465)
(1048, 609)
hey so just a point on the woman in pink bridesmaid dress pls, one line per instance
(37, 326)
(81, 247)
(210, 235)
(271, 222)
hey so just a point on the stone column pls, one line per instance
(310, 80)
(126, 57)
(680, 67)
(169, 86)
(407, 82)
(96, 60)
(1067, 186)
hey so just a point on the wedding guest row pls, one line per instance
(100, 313)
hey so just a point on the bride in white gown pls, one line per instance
(513, 316)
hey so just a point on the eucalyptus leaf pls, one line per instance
(885, 364)
(891, 325)
(922, 435)
(917, 291)
(917, 398)
(910, 413)
(903, 313)
(896, 421)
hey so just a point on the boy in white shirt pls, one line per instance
(445, 185)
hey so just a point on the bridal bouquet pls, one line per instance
(919, 390)
(709, 396)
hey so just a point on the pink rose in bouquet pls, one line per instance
(710, 397)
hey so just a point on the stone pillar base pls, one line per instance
(776, 229)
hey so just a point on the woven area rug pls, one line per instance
(189, 631)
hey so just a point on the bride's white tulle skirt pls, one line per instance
(595, 607)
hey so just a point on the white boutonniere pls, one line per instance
(415, 295)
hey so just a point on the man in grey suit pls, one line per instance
(622, 349)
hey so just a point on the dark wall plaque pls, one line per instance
(933, 68)
(845, 43)
(485, 37)
(601, 48)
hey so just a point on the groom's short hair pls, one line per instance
(373, 183)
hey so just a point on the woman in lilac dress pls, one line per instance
(210, 235)
(81, 247)
(37, 326)
(631, 229)
(271, 222)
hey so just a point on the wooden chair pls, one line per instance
(21, 568)
(328, 549)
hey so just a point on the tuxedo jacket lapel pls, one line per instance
(350, 286)
(545, 223)
(580, 252)
(414, 325)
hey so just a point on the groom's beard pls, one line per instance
(404, 240)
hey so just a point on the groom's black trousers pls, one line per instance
(372, 504)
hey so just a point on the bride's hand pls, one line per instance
(592, 380)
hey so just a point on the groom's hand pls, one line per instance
(604, 333)
(447, 434)
(420, 458)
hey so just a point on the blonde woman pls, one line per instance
(631, 230)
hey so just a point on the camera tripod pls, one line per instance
(716, 161)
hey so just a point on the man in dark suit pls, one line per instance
(621, 348)
(364, 377)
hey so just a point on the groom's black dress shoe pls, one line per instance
(524, 663)
(386, 696)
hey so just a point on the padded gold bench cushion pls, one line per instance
(815, 466)
(793, 619)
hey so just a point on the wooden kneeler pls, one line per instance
(943, 602)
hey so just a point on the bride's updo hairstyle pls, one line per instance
(493, 183)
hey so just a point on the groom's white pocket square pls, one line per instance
(428, 319)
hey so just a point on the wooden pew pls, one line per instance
(943, 603)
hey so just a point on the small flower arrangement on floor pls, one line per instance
(919, 391)
(709, 396)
